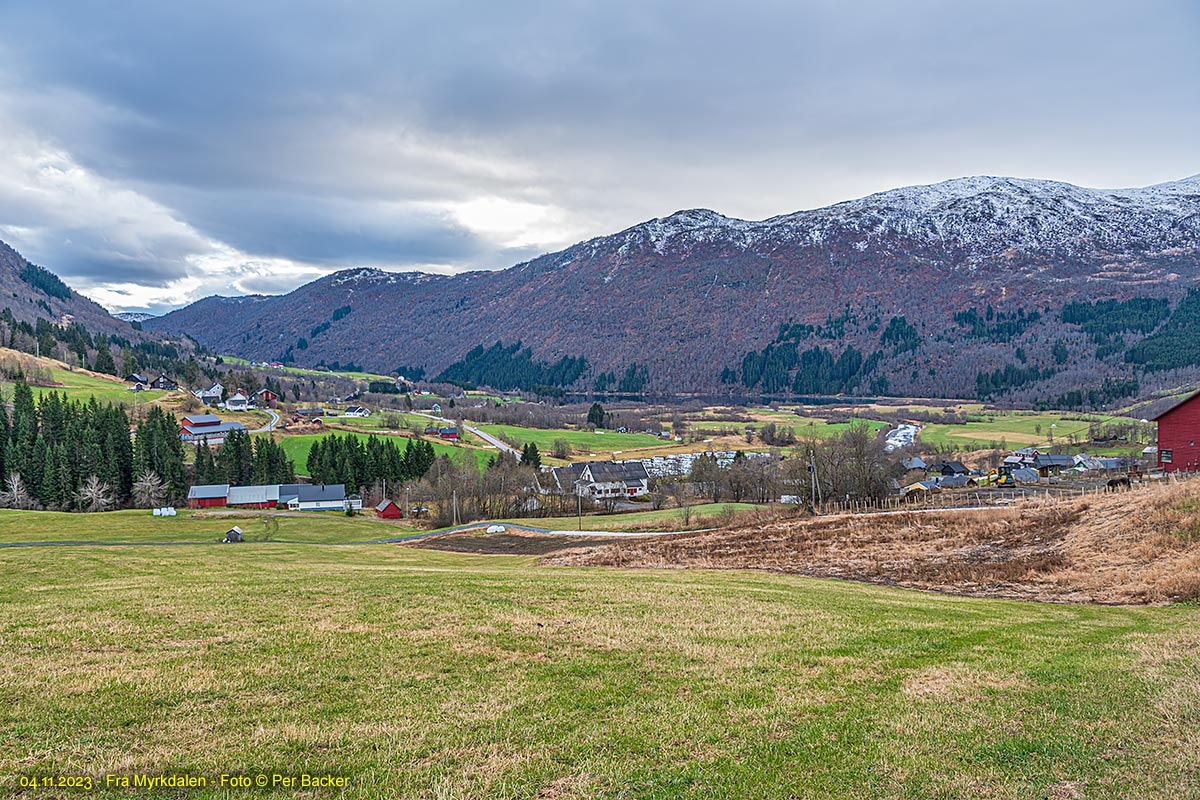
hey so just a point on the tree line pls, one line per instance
(68, 455)
(356, 462)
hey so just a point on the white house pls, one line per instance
(210, 396)
(238, 401)
(604, 480)
(308, 497)
(356, 411)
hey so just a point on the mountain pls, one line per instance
(31, 292)
(133, 316)
(953, 289)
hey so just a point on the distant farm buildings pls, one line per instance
(293, 496)
(197, 428)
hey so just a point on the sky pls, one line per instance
(155, 153)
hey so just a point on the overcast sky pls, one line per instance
(157, 152)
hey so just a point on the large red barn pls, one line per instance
(1179, 436)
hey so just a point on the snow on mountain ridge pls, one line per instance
(982, 214)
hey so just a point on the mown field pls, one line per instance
(421, 674)
(1016, 429)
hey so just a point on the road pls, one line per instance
(270, 426)
(487, 437)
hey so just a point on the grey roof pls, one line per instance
(1025, 475)
(208, 491)
(308, 493)
(566, 476)
(613, 471)
(916, 462)
(384, 504)
(1053, 460)
(954, 467)
(201, 419)
(244, 495)
(954, 481)
(200, 432)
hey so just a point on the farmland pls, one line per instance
(416, 673)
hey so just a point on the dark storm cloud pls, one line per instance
(350, 133)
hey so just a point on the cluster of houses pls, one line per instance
(292, 496)
(445, 432)
(1024, 466)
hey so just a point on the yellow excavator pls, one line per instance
(1002, 476)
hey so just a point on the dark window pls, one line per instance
(1165, 456)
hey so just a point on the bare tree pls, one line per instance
(15, 495)
(95, 495)
(149, 490)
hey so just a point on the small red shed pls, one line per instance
(1179, 436)
(389, 510)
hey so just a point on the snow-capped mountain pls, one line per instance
(689, 295)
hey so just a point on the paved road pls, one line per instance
(487, 437)
(270, 426)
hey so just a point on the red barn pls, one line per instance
(1179, 436)
(208, 495)
(389, 510)
(265, 397)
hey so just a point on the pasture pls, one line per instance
(414, 673)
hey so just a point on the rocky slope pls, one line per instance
(688, 295)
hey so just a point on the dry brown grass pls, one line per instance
(1135, 547)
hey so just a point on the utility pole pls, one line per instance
(406, 507)
(454, 506)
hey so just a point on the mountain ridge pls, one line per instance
(689, 295)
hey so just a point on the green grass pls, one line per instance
(140, 526)
(78, 386)
(1016, 429)
(297, 448)
(418, 674)
(580, 441)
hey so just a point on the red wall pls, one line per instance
(1179, 432)
(207, 502)
(391, 512)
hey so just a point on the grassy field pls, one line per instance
(580, 441)
(419, 674)
(1016, 429)
(297, 447)
(188, 526)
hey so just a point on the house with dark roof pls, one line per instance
(197, 428)
(164, 382)
(610, 480)
(210, 396)
(949, 468)
(313, 497)
(1048, 464)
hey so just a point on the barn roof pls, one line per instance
(1182, 402)
(208, 491)
(246, 495)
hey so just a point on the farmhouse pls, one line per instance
(238, 401)
(208, 495)
(1178, 433)
(210, 396)
(326, 497)
(604, 480)
(356, 411)
(163, 382)
(265, 397)
(136, 378)
(449, 434)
